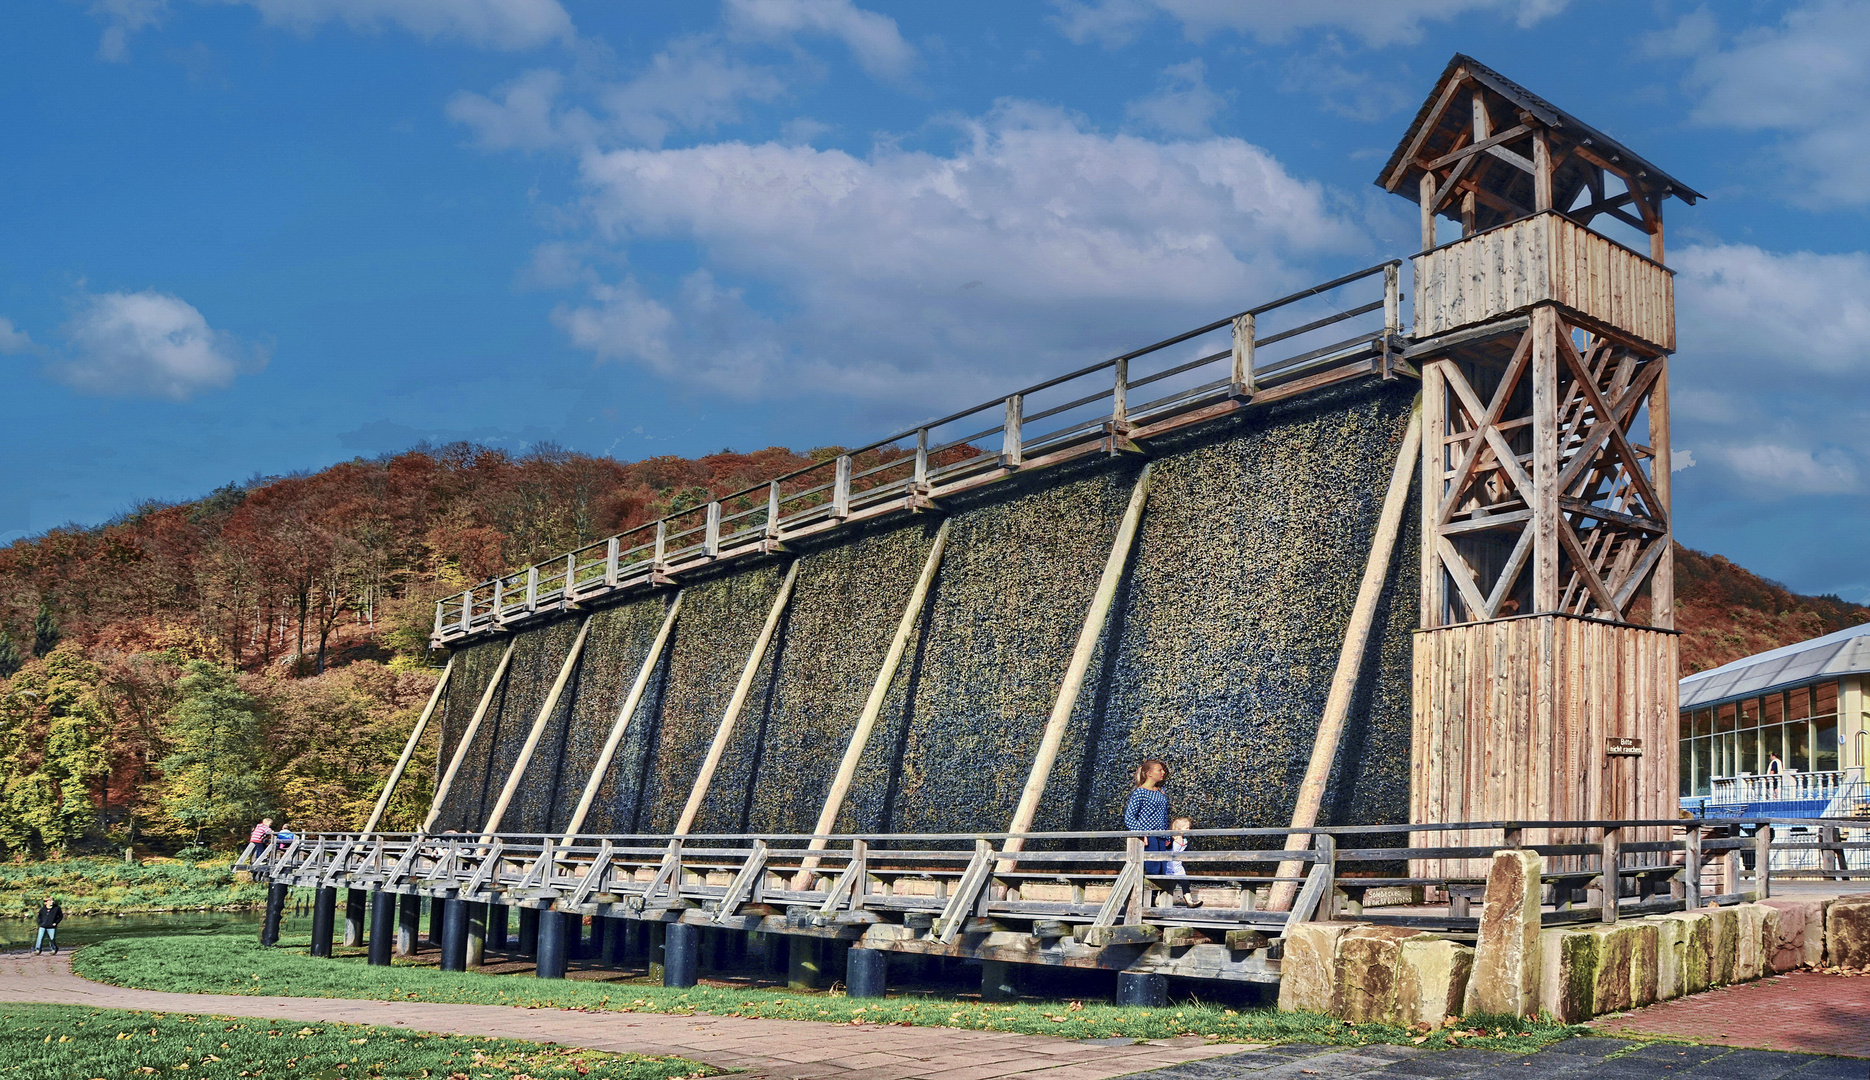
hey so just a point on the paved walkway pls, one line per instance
(1805, 1010)
(768, 1049)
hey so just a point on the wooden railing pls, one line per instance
(1098, 888)
(1341, 328)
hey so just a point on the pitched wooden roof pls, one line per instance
(1442, 127)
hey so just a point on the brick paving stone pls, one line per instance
(1805, 1011)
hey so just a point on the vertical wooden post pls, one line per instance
(532, 588)
(873, 706)
(1427, 189)
(1120, 392)
(1392, 298)
(1541, 172)
(1662, 579)
(711, 534)
(1763, 862)
(1656, 247)
(1242, 377)
(1088, 635)
(571, 578)
(601, 766)
(841, 488)
(499, 600)
(1012, 448)
(409, 748)
(467, 738)
(467, 606)
(922, 459)
(736, 703)
(1434, 465)
(662, 544)
(1545, 449)
(772, 510)
(437, 632)
(1609, 865)
(612, 550)
(1691, 877)
(1350, 657)
(546, 709)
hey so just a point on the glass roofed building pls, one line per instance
(1780, 732)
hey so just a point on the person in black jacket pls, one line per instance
(50, 915)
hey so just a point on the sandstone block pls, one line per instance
(1847, 932)
(1723, 944)
(1750, 942)
(1671, 946)
(1567, 974)
(1507, 967)
(1369, 961)
(1798, 933)
(1432, 983)
(1308, 973)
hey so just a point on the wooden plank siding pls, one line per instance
(1511, 721)
(1544, 258)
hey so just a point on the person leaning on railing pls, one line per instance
(1148, 810)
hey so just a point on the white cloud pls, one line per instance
(1805, 79)
(123, 18)
(1681, 457)
(919, 276)
(149, 344)
(1775, 351)
(1183, 103)
(692, 85)
(1113, 22)
(13, 340)
(872, 38)
(492, 24)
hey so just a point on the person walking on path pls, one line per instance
(1148, 810)
(50, 915)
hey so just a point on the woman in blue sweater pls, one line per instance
(1148, 810)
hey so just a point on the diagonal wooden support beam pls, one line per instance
(1515, 370)
(873, 707)
(741, 889)
(735, 704)
(467, 737)
(546, 709)
(1073, 682)
(601, 768)
(409, 748)
(1351, 655)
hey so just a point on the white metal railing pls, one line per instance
(1041, 424)
(1783, 786)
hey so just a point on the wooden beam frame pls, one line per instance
(546, 709)
(601, 767)
(737, 702)
(409, 748)
(1095, 618)
(873, 705)
(467, 737)
(1351, 655)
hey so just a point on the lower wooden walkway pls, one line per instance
(766, 1049)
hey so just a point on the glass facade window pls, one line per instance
(1740, 738)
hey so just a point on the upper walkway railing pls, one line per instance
(1295, 344)
(1775, 787)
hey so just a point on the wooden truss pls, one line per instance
(1546, 503)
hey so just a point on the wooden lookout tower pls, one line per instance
(1545, 669)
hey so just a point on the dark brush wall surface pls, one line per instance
(1217, 657)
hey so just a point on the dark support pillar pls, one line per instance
(805, 963)
(616, 943)
(496, 927)
(1138, 988)
(275, 907)
(550, 957)
(355, 901)
(636, 939)
(529, 931)
(772, 953)
(438, 916)
(382, 928)
(866, 972)
(721, 949)
(454, 935)
(324, 915)
(997, 982)
(656, 935)
(476, 934)
(408, 922)
(574, 935)
(681, 954)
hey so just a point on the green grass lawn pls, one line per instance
(70, 1042)
(231, 962)
(109, 885)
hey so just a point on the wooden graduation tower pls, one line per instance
(1545, 670)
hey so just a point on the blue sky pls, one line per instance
(257, 236)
